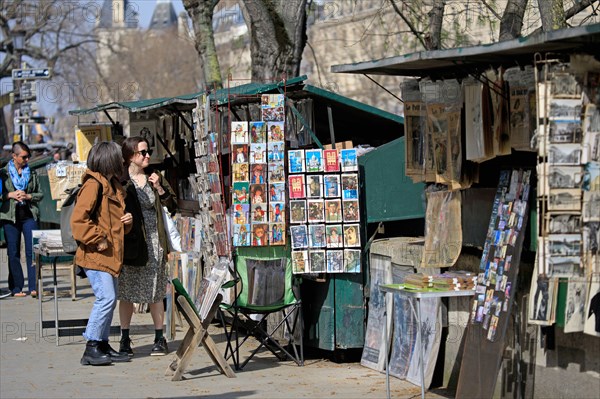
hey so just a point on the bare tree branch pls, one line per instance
(491, 9)
(578, 7)
(412, 28)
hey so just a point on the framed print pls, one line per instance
(317, 260)
(258, 132)
(314, 160)
(240, 172)
(258, 153)
(333, 211)
(276, 172)
(241, 214)
(563, 244)
(299, 236)
(296, 186)
(239, 153)
(277, 234)
(331, 186)
(352, 260)
(350, 186)
(296, 161)
(300, 262)
(564, 154)
(350, 211)
(564, 266)
(333, 235)
(314, 186)
(317, 236)
(258, 194)
(277, 212)
(240, 193)
(351, 235)
(258, 173)
(275, 150)
(349, 160)
(277, 192)
(298, 211)
(259, 213)
(335, 261)
(564, 223)
(148, 129)
(331, 162)
(316, 211)
(241, 235)
(272, 107)
(259, 234)
(239, 132)
(565, 177)
(565, 109)
(568, 199)
(275, 131)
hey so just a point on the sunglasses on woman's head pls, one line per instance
(144, 153)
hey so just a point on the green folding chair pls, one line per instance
(264, 285)
(196, 334)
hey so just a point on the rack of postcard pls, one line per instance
(568, 193)
(324, 211)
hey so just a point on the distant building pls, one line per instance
(164, 16)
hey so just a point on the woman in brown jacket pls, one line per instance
(99, 230)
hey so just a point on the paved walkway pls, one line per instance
(32, 366)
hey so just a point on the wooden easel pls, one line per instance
(197, 334)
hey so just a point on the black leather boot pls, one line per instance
(114, 355)
(94, 355)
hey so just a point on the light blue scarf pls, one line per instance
(20, 182)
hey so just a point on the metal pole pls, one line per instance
(55, 299)
(421, 349)
(331, 131)
(385, 344)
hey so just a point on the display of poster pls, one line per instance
(88, 135)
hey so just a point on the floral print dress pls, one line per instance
(146, 284)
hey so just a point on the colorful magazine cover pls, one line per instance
(331, 186)
(296, 186)
(277, 234)
(296, 161)
(317, 236)
(350, 186)
(258, 132)
(298, 211)
(334, 236)
(318, 262)
(331, 161)
(335, 261)
(300, 262)
(239, 132)
(314, 160)
(314, 186)
(276, 131)
(316, 211)
(349, 160)
(276, 150)
(276, 212)
(352, 260)
(351, 235)
(299, 236)
(259, 235)
(272, 106)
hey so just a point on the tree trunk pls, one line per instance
(553, 14)
(277, 37)
(436, 18)
(201, 13)
(511, 23)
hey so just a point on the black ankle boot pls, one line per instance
(94, 355)
(114, 355)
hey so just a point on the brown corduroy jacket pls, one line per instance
(89, 228)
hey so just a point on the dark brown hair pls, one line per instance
(105, 158)
(129, 147)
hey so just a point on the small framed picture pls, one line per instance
(275, 150)
(331, 162)
(317, 236)
(277, 234)
(350, 211)
(241, 235)
(272, 107)
(334, 236)
(276, 172)
(277, 212)
(240, 193)
(300, 262)
(275, 131)
(314, 160)
(316, 212)
(277, 192)
(335, 261)
(239, 153)
(351, 235)
(350, 186)
(258, 173)
(349, 160)
(258, 132)
(333, 211)
(296, 161)
(318, 262)
(296, 186)
(331, 184)
(565, 154)
(259, 234)
(314, 186)
(352, 260)
(258, 153)
(239, 132)
(299, 236)
(298, 211)
(259, 213)
(241, 214)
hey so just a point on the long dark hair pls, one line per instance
(105, 158)
(129, 148)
